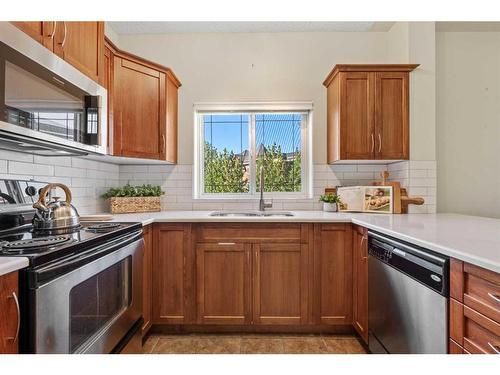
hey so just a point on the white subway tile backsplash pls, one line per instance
(16, 167)
(89, 179)
(17, 156)
(3, 166)
(68, 171)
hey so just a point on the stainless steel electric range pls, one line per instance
(81, 292)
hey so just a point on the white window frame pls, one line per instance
(201, 109)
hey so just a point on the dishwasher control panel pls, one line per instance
(380, 250)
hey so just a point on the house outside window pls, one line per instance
(233, 141)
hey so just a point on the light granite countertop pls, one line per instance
(11, 264)
(472, 239)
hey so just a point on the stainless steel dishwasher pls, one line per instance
(407, 298)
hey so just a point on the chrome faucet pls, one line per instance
(262, 204)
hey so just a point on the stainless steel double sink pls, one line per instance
(252, 214)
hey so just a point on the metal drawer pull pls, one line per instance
(226, 243)
(373, 143)
(495, 297)
(495, 348)
(379, 142)
(16, 301)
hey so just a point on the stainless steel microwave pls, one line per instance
(47, 106)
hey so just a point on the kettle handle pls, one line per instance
(40, 204)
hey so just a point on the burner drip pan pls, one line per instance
(35, 244)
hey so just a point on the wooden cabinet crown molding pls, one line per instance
(140, 60)
(367, 68)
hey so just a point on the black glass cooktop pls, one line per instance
(43, 248)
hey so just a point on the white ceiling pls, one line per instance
(151, 27)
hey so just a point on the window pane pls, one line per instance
(226, 156)
(278, 142)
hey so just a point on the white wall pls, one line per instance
(468, 122)
(255, 66)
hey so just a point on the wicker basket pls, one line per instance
(121, 205)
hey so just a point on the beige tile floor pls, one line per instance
(252, 344)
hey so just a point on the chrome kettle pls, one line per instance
(55, 216)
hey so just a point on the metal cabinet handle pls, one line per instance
(379, 142)
(16, 301)
(361, 245)
(226, 243)
(54, 28)
(163, 143)
(373, 143)
(495, 297)
(65, 34)
(495, 348)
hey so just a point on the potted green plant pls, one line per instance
(330, 202)
(126, 199)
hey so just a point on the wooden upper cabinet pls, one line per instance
(139, 116)
(356, 112)
(79, 43)
(142, 105)
(33, 28)
(368, 112)
(392, 115)
(173, 274)
(9, 314)
(82, 45)
(360, 281)
(332, 302)
(224, 283)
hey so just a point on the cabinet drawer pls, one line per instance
(482, 291)
(249, 232)
(472, 330)
(454, 348)
(481, 334)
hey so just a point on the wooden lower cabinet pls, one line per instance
(173, 276)
(280, 283)
(254, 275)
(224, 283)
(147, 279)
(474, 309)
(332, 296)
(360, 281)
(9, 314)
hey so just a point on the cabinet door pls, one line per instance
(356, 115)
(147, 279)
(169, 148)
(224, 283)
(9, 314)
(82, 45)
(138, 110)
(391, 115)
(173, 260)
(280, 283)
(108, 85)
(332, 274)
(360, 281)
(42, 31)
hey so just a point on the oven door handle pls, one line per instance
(54, 270)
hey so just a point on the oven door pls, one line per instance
(93, 304)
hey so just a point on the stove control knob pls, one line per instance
(30, 190)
